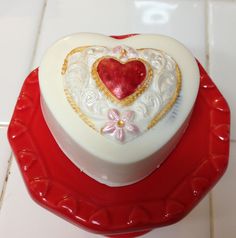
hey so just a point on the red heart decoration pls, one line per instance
(121, 79)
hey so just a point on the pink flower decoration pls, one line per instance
(119, 124)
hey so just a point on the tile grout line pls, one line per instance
(207, 45)
(38, 35)
(211, 212)
(5, 180)
(5, 124)
(207, 55)
(8, 172)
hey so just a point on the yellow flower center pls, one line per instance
(120, 123)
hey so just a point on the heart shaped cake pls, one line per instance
(117, 108)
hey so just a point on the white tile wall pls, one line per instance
(205, 26)
(5, 153)
(19, 21)
(222, 52)
(184, 20)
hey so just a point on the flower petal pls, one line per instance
(131, 128)
(109, 127)
(120, 134)
(127, 116)
(113, 115)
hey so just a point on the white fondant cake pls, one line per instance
(117, 108)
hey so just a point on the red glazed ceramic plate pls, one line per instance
(162, 198)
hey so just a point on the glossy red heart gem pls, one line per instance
(121, 79)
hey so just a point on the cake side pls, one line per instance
(109, 173)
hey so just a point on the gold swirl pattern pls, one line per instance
(74, 51)
(172, 101)
(78, 110)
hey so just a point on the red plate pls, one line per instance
(162, 198)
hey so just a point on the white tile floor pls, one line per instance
(5, 154)
(206, 27)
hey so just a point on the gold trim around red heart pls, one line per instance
(131, 98)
